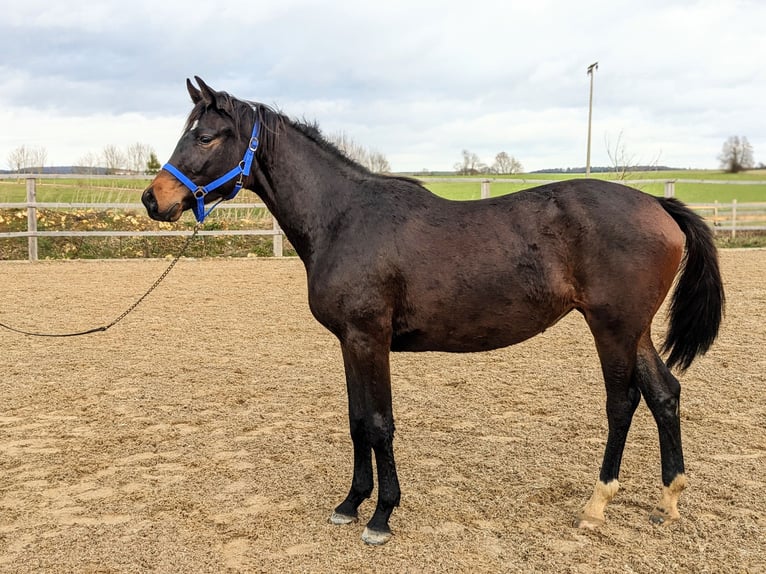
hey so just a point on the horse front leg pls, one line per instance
(368, 381)
(362, 481)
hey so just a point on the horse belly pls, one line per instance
(465, 332)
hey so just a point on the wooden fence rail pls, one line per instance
(32, 233)
(723, 217)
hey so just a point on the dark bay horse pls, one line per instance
(392, 267)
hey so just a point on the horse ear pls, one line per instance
(209, 95)
(195, 94)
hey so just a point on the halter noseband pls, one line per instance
(200, 191)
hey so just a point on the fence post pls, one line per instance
(733, 218)
(670, 188)
(32, 218)
(485, 189)
(276, 238)
(715, 217)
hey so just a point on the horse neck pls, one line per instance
(307, 188)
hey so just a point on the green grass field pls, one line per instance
(691, 192)
(124, 190)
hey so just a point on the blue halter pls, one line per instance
(200, 191)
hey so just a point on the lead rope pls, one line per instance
(124, 313)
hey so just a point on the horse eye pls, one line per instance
(205, 139)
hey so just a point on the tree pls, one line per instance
(153, 165)
(373, 160)
(136, 156)
(114, 159)
(736, 155)
(39, 158)
(470, 164)
(506, 164)
(18, 159)
(624, 164)
(87, 163)
(28, 159)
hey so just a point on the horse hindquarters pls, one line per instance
(629, 360)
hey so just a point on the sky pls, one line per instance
(418, 81)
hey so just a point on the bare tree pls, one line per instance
(619, 159)
(623, 163)
(18, 159)
(88, 163)
(114, 159)
(26, 159)
(373, 160)
(379, 163)
(470, 164)
(506, 164)
(736, 155)
(39, 158)
(137, 155)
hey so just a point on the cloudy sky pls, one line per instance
(416, 80)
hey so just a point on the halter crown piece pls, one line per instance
(200, 191)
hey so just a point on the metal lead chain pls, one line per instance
(124, 313)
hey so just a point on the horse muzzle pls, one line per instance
(165, 199)
(171, 213)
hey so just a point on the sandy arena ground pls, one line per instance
(207, 432)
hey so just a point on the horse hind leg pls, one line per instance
(621, 404)
(622, 397)
(662, 393)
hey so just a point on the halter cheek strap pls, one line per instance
(242, 170)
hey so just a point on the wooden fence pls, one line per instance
(32, 233)
(723, 217)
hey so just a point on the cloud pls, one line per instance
(416, 81)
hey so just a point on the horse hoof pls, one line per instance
(375, 537)
(338, 518)
(661, 516)
(587, 522)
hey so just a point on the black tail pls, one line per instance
(697, 303)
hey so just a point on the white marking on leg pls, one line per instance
(592, 515)
(667, 509)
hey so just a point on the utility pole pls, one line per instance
(591, 69)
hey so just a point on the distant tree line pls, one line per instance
(137, 158)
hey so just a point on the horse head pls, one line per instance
(200, 169)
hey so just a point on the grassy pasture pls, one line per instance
(128, 190)
(691, 192)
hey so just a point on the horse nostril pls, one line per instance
(148, 199)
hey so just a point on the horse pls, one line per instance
(392, 267)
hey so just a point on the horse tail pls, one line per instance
(697, 303)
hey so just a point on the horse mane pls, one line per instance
(273, 122)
